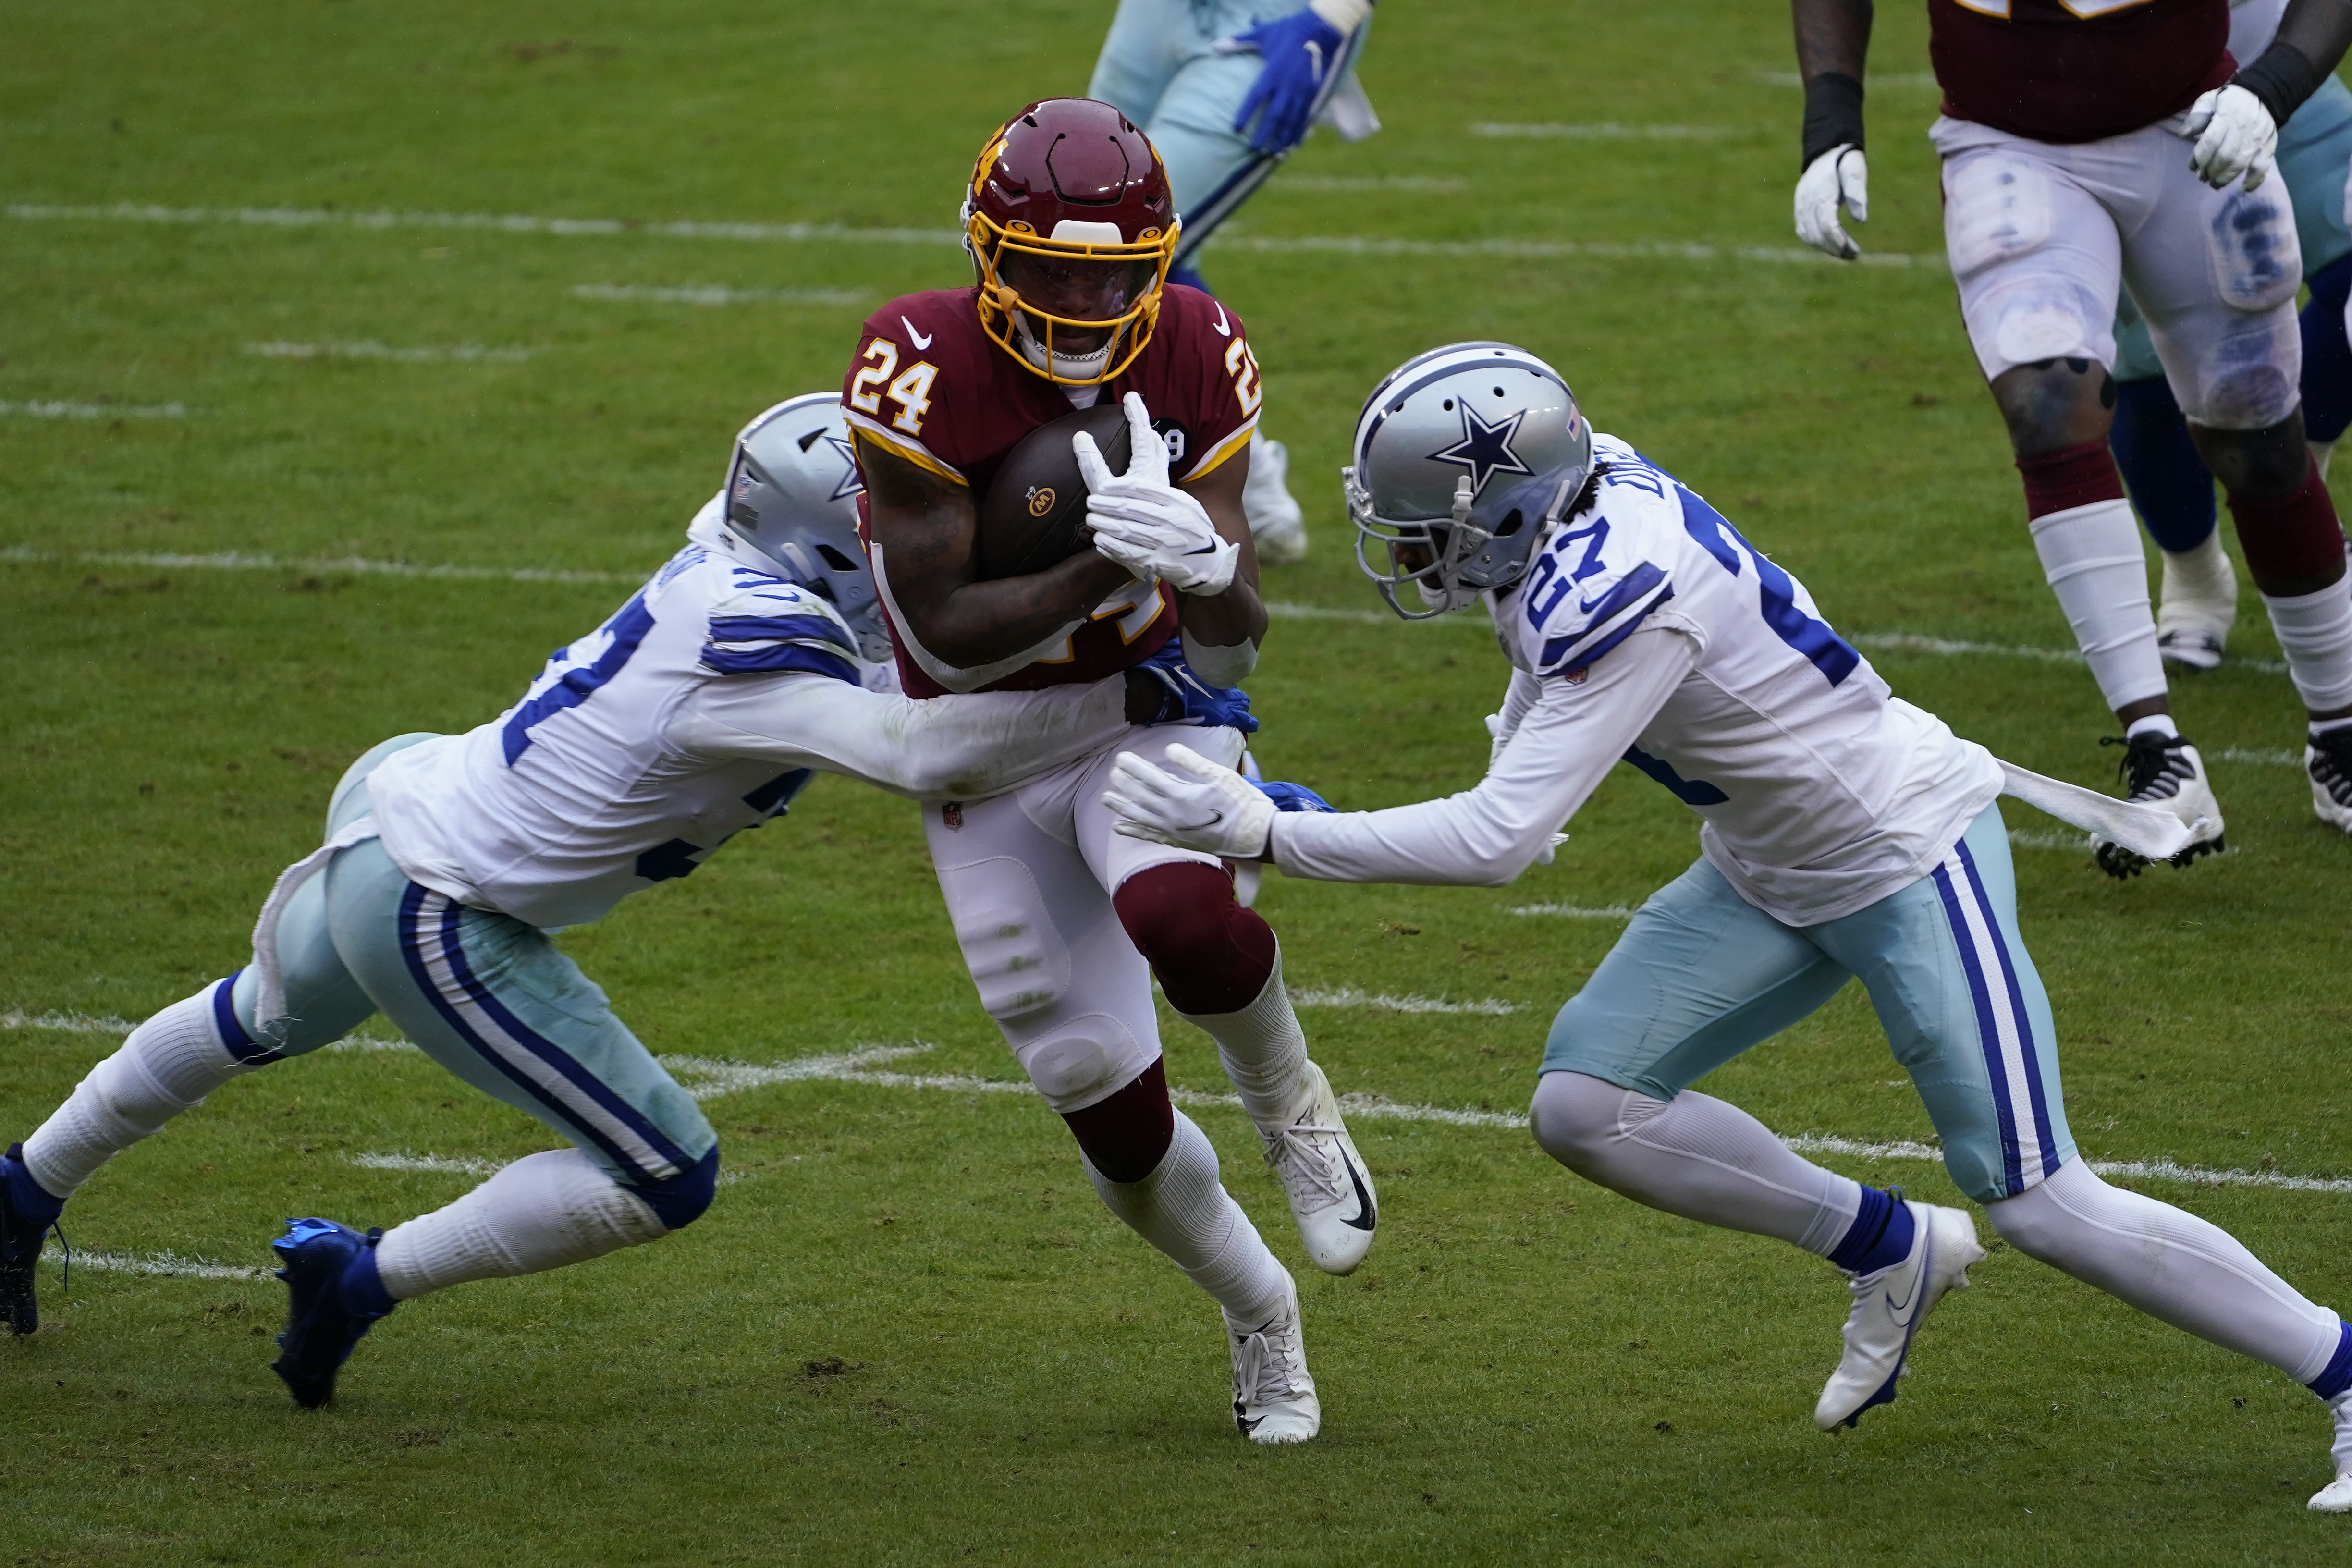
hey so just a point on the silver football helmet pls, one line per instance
(1463, 456)
(792, 496)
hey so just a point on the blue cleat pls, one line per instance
(21, 1233)
(320, 1329)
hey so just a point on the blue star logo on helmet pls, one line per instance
(1484, 449)
(850, 483)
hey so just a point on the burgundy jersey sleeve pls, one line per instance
(920, 382)
(1199, 379)
(2080, 73)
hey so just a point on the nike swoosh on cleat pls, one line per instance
(1370, 1216)
(921, 339)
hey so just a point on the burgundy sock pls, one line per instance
(2068, 478)
(1127, 1135)
(2294, 536)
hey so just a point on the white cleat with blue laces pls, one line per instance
(1889, 1305)
(2335, 1496)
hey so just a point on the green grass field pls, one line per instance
(906, 1331)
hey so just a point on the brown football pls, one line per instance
(1035, 513)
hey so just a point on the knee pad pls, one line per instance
(1573, 1118)
(1126, 1135)
(1211, 954)
(1078, 1061)
(678, 1201)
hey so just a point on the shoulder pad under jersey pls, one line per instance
(761, 623)
(1603, 568)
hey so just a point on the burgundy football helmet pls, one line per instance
(1071, 227)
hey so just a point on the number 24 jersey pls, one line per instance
(931, 386)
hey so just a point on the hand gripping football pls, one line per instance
(1035, 513)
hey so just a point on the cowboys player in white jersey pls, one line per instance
(699, 709)
(1846, 833)
(1227, 89)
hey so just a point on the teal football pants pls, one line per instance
(1701, 974)
(483, 995)
(1160, 67)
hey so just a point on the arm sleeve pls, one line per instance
(1519, 699)
(1486, 836)
(943, 748)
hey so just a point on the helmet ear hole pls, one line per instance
(840, 562)
(1510, 524)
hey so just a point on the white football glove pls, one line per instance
(2235, 135)
(1838, 175)
(1216, 810)
(1145, 524)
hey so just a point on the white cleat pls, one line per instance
(2164, 771)
(1274, 1398)
(1888, 1308)
(2327, 759)
(2335, 1496)
(2198, 602)
(1330, 1191)
(1275, 522)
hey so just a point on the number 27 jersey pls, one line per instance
(931, 386)
(1820, 790)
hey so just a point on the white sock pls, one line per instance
(167, 1064)
(2170, 1265)
(1265, 1051)
(2090, 554)
(2154, 724)
(1694, 1155)
(1184, 1211)
(542, 1212)
(2315, 632)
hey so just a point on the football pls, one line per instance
(1035, 513)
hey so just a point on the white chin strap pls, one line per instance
(1065, 367)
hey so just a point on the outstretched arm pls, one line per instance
(1486, 836)
(945, 748)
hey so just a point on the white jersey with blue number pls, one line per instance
(576, 796)
(1647, 628)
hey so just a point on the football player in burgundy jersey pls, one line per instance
(1063, 923)
(2100, 144)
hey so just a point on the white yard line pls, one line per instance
(1609, 131)
(528, 223)
(1348, 996)
(1442, 185)
(709, 1078)
(2028, 838)
(718, 294)
(2264, 759)
(453, 354)
(402, 1161)
(1570, 911)
(64, 1022)
(169, 1264)
(239, 561)
(1912, 642)
(1877, 79)
(57, 410)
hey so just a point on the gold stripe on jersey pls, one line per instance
(899, 445)
(1217, 455)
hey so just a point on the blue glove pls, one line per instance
(1300, 51)
(1293, 796)
(1189, 700)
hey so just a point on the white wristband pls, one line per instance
(1344, 16)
